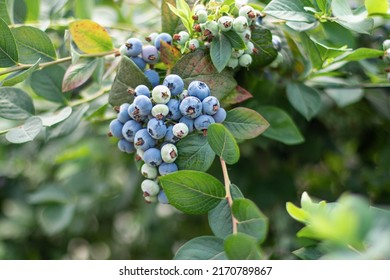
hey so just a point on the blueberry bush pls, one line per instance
(159, 129)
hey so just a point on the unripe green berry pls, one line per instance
(248, 12)
(386, 56)
(246, 35)
(169, 153)
(123, 50)
(180, 130)
(225, 23)
(161, 94)
(160, 111)
(240, 3)
(150, 199)
(151, 38)
(386, 44)
(277, 61)
(198, 8)
(184, 94)
(245, 60)
(193, 44)
(233, 62)
(249, 47)
(150, 188)
(149, 172)
(210, 28)
(182, 37)
(237, 53)
(240, 24)
(201, 16)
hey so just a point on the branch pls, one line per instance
(58, 61)
(228, 193)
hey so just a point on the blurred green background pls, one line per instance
(78, 197)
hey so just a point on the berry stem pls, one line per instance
(50, 63)
(228, 193)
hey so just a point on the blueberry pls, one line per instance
(134, 47)
(210, 105)
(161, 94)
(220, 116)
(188, 122)
(162, 37)
(198, 89)
(152, 157)
(123, 115)
(149, 172)
(156, 128)
(162, 197)
(160, 111)
(180, 130)
(152, 37)
(129, 130)
(139, 62)
(174, 111)
(174, 83)
(143, 141)
(150, 54)
(166, 168)
(116, 128)
(143, 104)
(170, 137)
(277, 42)
(142, 90)
(134, 113)
(152, 76)
(125, 146)
(150, 187)
(168, 153)
(240, 24)
(191, 107)
(202, 122)
(225, 23)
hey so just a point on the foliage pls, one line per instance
(65, 192)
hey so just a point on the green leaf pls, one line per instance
(19, 76)
(282, 128)
(223, 143)
(262, 41)
(195, 153)
(169, 21)
(237, 95)
(345, 17)
(360, 54)
(198, 66)
(19, 11)
(323, 5)
(304, 99)
(47, 83)
(297, 213)
(250, 219)
(220, 218)
(50, 194)
(33, 44)
(90, 37)
(26, 132)
(33, 7)
(345, 96)
(220, 51)
(52, 118)
(4, 13)
(376, 6)
(83, 9)
(15, 104)
(245, 123)
(290, 10)
(241, 246)
(55, 218)
(192, 192)
(309, 253)
(69, 125)
(128, 76)
(235, 40)
(77, 74)
(8, 50)
(202, 248)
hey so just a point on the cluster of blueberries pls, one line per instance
(143, 55)
(157, 120)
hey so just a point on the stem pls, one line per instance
(228, 194)
(58, 61)
(90, 98)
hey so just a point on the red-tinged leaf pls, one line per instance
(169, 54)
(90, 37)
(77, 74)
(237, 95)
